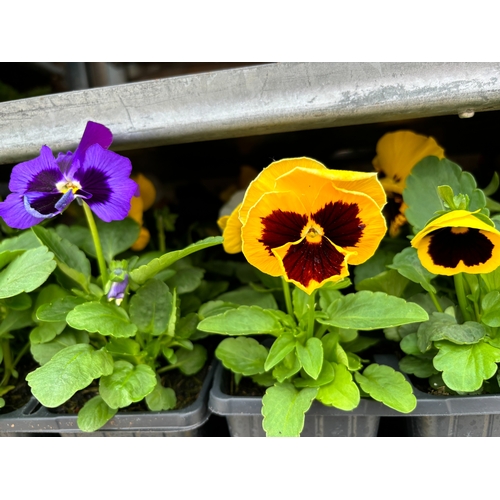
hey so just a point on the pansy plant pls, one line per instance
(304, 224)
(451, 268)
(121, 330)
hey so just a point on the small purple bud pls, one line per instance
(117, 291)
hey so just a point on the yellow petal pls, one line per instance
(136, 209)
(265, 181)
(142, 240)
(398, 152)
(148, 191)
(230, 226)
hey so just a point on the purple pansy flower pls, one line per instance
(45, 186)
(117, 291)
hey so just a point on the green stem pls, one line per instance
(103, 269)
(7, 361)
(21, 353)
(167, 368)
(462, 299)
(161, 232)
(321, 331)
(436, 302)
(288, 296)
(310, 314)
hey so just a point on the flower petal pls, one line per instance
(40, 174)
(105, 175)
(47, 205)
(231, 230)
(142, 240)
(309, 265)
(265, 181)
(458, 242)
(276, 219)
(94, 133)
(398, 152)
(147, 191)
(14, 214)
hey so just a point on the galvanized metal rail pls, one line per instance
(254, 100)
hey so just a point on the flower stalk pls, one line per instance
(462, 299)
(103, 270)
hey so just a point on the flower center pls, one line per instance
(313, 233)
(459, 230)
(65, 186)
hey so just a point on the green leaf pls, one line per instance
(342, 392)
(70, 259)
(161, 399)
(94, 414)
(388, 386)
(311, 356)
(43, 353)
(116, 237)
(71, 369)
(19, 302)
(408, 264)
(390, 282)
(186, 280)
(374, 265)
(442, 326)
(287, 367)
(327, 296)
(25, 241)
(143, 273)
(300, 300)
(27, 272)
(284, 408)
(78, 235)
(492, 280)
(151, 306)
(421, 366)
(491, 309)
(45, 332)
(421, 194)
(242, 355)
(283, 345)
(409, 344)
(106, 319)
(247, 296)
(7, 257)
(325, 377)
(372, 310)
(360, 343)
(59, 309)
(191, 361)
(245, 320)
(127, 384)
(15, 320)
(465, 367)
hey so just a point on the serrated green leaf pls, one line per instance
(59, 309)
(6, 257)
(421, 366)
(186, 280)
(116, 237)
(127, 384)
(465, 367)
(360, 343)
(247, 296)
(151, 306)
(374, 265)
(342, 392)
(442, 326)
(143, 273)
(491, 309)
(492, 280)
(70, 259)
(311, 356)
(94, 414)
(300, 301)
(245, 320)
(388, 386)
(191, 361)
(390, 282)
(15, 320)
(242, 355)
(325, 377)
(19, 302)
(421, 194)
(284, 408)
(106, 319)
(409, 344)
(71, 369)
(161, 399)
(26, 272)
(283, 345)
(372, 310)
(43, 353)
(408, 264)
(25, 241)
(45, 332)
(287, 367)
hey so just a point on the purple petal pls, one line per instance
(40, 174)
(15, 215)
(64, 161)
(105, 175)
(94, 133)
(43, 204)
